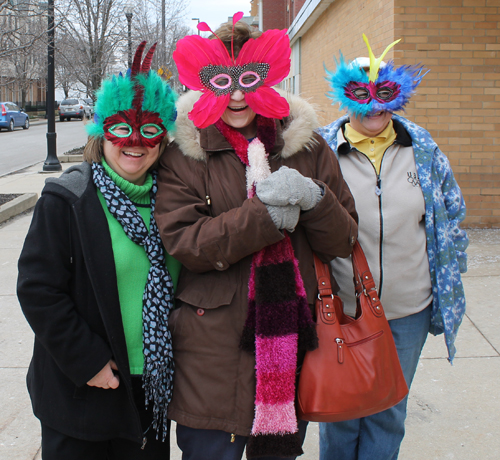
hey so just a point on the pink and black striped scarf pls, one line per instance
(279, 321)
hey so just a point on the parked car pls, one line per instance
(90, 103)
(11, 116)
(73, 108)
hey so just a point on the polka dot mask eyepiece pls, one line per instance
(385, 88)
(205, 65)
(223, 80)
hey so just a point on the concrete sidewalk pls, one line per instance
(453, 410)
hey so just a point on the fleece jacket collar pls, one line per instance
(293, 133)
(402, 137)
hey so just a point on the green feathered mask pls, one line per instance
(137, 108)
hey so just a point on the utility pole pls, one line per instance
(163, 47)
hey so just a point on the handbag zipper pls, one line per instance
(340, 350)
(340, 344)
(366, 339)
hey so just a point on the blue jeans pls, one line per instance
(379, 436)
(216, 445)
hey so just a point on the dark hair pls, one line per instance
(242, 33)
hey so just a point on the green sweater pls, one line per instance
(132, 265)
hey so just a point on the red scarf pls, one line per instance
(279, 321)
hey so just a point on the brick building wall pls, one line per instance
(340, 27)
(274, 14)
(296, 6)
(458, 101)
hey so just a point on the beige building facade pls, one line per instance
(458, 100)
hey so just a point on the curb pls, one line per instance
(70, 158)
(17, 206)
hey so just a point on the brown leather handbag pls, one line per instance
(355, 371)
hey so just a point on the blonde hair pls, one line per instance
(94, 150)
(242, 33)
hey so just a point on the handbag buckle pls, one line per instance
(320, 298)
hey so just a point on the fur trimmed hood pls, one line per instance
(297, 129)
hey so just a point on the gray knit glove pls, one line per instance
(288, 186)
(284, 217)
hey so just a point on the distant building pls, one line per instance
(252, 21)
(10, 90)
(22, 26)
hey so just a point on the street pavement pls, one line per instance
(454, 411)
(21, 148)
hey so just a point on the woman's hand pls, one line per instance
(287, 186)
(106, 378)
(284, 217)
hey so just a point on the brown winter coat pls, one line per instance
(208, 224)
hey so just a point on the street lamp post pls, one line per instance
(129, 10)
(52, 162)
(196, 19)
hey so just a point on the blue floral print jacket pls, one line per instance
(446, 241)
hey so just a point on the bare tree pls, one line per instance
(23, 29)
(92, 40)
(16, 33)
(65, 73)
(91, 32)
(161, 21)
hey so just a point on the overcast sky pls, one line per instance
(214, 12)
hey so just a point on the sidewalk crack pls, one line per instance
(485, 338)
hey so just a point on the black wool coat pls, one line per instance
(68, 292)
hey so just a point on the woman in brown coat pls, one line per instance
(243, 202)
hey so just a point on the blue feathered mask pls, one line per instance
(385, 87)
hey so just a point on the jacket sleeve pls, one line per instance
(455, 207)
(43, 288)
(331, 226)
(200, 241)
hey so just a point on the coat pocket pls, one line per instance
(207, 290)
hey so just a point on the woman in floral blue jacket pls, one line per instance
(410, 208)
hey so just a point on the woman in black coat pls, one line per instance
(100, 377)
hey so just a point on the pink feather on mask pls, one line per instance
(273, 48)
(268, 103)
(194, 53)
(208, 109)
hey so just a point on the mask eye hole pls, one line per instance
(249, 78)
(385, 93)
(361, 93)
(121, 130)
(151, 130)
(221, 81)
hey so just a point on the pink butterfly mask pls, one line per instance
(205, 65)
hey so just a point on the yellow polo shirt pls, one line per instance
(373, 147)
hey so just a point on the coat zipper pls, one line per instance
(208, 199)
(378, 192)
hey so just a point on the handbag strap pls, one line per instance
(323, 277)
(363, 279)
(326, 302)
